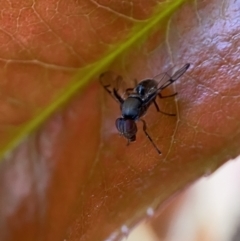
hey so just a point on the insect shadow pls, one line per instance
(138, 99)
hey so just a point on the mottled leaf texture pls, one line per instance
(65, 172)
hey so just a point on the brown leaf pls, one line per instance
(75, 179)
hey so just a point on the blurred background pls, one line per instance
(208, 210)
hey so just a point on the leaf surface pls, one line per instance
(74, 178)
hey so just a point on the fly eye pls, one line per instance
(130, 127)
(126, 127)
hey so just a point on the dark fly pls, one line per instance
(138, 99)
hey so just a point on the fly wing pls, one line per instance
(112, 83)
(166, 79)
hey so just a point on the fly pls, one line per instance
(138, 100)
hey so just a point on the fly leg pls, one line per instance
(117, 96)
(158, 110)
(112, 91)
(128, 91)
(149, 137)
(160, 96)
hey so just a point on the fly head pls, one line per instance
(127, 128)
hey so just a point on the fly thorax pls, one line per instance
(131, 108)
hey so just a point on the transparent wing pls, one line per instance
(166, 79)
(112, 83)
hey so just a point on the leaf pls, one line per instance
(75, 179)
(45, 28)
